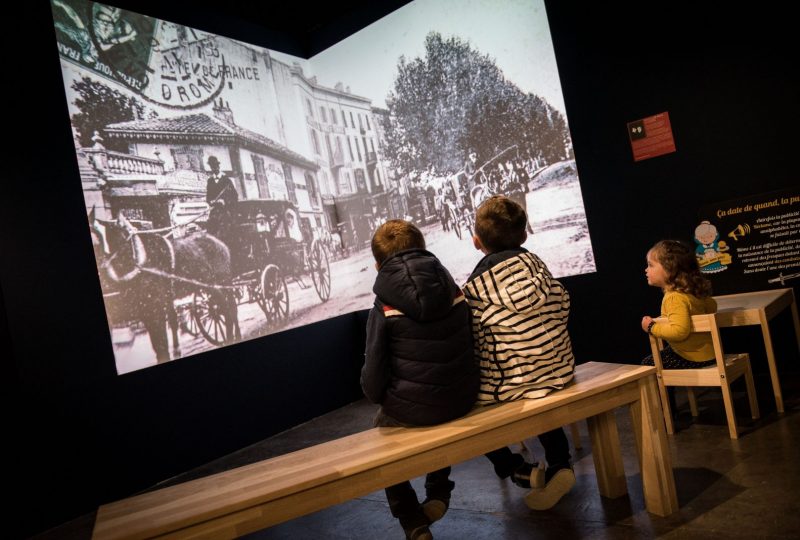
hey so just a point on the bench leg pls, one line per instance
(606, 454)
(576, 436)
(658, 482)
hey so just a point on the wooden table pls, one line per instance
(758, 308)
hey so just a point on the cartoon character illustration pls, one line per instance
(711, 252)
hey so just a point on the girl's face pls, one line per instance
(656, 275)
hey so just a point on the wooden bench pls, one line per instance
(269, 492)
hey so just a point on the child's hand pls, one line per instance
(646, 320)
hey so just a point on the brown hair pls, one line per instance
(394, 236)
(500, 224)
(680, 264)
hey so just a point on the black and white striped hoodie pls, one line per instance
(519, 327)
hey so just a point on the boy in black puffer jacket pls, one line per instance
(420, 363)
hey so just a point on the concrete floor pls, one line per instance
(726, 489)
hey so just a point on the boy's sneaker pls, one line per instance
(419, 533)
(435, 509)
(558, 484)
(529, 475)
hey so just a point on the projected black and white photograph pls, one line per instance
(232, 191)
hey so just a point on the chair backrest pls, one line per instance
(700, 323)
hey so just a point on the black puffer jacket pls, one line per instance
(420, 365)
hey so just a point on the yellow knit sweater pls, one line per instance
(678, 308)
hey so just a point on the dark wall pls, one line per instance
(726, 77)
(85, 436)
(82, 434)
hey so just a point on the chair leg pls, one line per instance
(692, 402)
(751, 392)
(576, 436)
(730, 412)
(665, 406)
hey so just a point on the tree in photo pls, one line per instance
(456, 98)
(101, 106)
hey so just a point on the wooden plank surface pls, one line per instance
(743, 309)
(324, 495)
(361, 461)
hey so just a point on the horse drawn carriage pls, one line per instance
(460, 209)
(268, 248)
(465, 192)
(197, 281)
(463, 197)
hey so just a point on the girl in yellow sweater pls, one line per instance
(672, 266)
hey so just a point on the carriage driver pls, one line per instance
(221, 195)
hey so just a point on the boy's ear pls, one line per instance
(377, 266)
(477, 242)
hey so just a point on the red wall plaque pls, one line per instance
(651, 137)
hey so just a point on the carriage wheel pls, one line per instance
(455, 221)
(209, 311)
(187, 322)
(254, 294)
(275, 295)
(320, 270)
(469, 223)
(241, 294)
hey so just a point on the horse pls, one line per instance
(149, 271)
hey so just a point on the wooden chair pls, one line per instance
(728, 368)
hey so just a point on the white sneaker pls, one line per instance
(544, 498)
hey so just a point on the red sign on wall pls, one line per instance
(651, 137)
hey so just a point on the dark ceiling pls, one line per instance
(305, 27)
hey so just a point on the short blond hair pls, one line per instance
(394, 236)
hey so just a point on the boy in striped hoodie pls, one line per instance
(519, 329)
